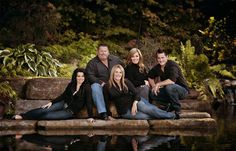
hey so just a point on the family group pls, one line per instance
(130, 87)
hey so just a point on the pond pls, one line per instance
(223, 139)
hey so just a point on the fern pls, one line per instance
(199, 74)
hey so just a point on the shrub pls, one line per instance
(28, 59)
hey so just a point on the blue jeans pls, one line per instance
(55, 112)
(98, 98)
(148, 111)
(170, 94)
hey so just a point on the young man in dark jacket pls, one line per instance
(171, 86)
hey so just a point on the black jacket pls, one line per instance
(171, 71)
(122, 99)
(97, 72)
(79, 100)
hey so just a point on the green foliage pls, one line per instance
(66, 70)
(8, 97)
(220, 69)
(218, 44)
(198, 73)
(27, 57)
(148, 46)
(28, 22)
(78, 52)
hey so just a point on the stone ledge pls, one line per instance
(193, 114)
(17, 124)
(45, 88)
(98, 124)
(92, 132)
(26, 105)
(187, 124)
(183, 132)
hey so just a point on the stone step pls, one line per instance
(183, 132)
(185, 123)
(92, 132)
(26, 105)
(17, 124)
(98, 124)
(50, 88)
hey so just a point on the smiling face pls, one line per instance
(103, 53)
(135, 58)
(80, 77)
(162, 59)
(118, 74)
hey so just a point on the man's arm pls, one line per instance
(91, 72)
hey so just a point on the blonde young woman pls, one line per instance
(128, 103)
(136, 72)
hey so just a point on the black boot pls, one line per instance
(104, 116)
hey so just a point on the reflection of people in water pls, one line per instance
(6, 143)
(103, 143)
(142, 143)
(69, 142)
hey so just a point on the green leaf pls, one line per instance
(52, 72)
(39, 59)
(42, 70)
(4, 53)
(32, 66)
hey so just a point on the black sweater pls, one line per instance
(79, 100)
(122, 99)
(171, 71)
(134, 75)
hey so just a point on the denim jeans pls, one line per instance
(170, 94)
(98, 98)
(55, 112)
(148, 111)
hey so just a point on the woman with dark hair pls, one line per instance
(76, 95)
(129, 104)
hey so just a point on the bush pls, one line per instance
(28, 59)
(7, 97)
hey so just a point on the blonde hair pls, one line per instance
(140, 63)
(122, 82)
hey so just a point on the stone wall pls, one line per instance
(35, 92)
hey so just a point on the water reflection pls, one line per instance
(98, 140)
(97, 143)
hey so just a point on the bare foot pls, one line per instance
(17, 117)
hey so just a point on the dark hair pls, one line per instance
(74, 75)
(102, 45)
(160, 50)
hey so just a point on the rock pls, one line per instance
(193, 94)
(185, 124)
(45, 88)
(92, 132)
(18, 85)
(22, 106)
(17, 124)
(195, 115)
(183, 132)
(16, 132)
(98, 124)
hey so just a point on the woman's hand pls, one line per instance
(46, 106)
(134, 109)
(91, 120)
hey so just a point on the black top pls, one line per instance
(79, 100)
(134, 75)
(122, 99)
(171, 71)
(97, 72)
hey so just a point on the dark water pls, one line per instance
(223, 139)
